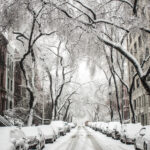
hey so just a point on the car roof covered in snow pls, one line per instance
(30, 131)
(46, 129)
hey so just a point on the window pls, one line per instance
(137, 83)
(8, 83)
(8, 61)
(144, 99)
(139, 101)
(10, 105)
(135, 104)
(135, 47)
(23, 92)
(145, 122)
(131, 51)
(148, 78)
(133, 86)
(12, 66)
(147, 52)
(139, 118)
(2, 79)
(141, 59)
(130, 39)
(11, 85)
(132, 69)
(2, 58)
(140, 41)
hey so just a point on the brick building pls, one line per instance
(17, 84)
(138, 43)
(9, 77)
(3, 51)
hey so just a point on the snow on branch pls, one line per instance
(125, 53)
(94, 15)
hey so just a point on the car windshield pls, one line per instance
(30, 131)
(46, 129)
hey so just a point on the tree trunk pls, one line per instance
(110, 101)
(66, 113)
(117, 97)
(131, 107)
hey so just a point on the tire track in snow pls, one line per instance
(69, 143)
(73, 143)
(94, 142)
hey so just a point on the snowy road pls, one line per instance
(84, 138)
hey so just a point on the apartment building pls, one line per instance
(9, 77)
(21, 95)
(3, 50)
(138, 44)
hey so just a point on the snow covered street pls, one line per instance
(84, 138)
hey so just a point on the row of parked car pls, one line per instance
(127, 133)
(32, 137)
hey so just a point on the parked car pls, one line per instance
(116, 131)
(12, 138)
(72, 125)
(104, 128)
(111, 128)
(56, 130)
(60, 125)
(35, 137)
(48, 132)
(99, 126)
(142, 140)
(129, 132)
(67, 127)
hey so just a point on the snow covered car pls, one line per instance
(61, 126)
(116, 131)
(72, 125)
(34, 137)
(111, 128)
(56, 130)
(12, 138)
(104, 128)
(94, 125)
(48, 132)
(67, 126)
(142, 140)
(98, 126)
(129, 132)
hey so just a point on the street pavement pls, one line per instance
(84, 138)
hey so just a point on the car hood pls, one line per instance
(131, 135)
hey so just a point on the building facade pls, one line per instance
(21, 95)
(138, 43)
(9, 78)
(3, 51)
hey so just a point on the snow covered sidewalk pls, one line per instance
(84, 138)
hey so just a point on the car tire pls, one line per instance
(145, 146)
